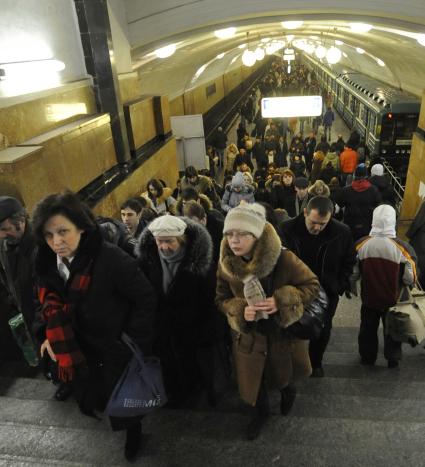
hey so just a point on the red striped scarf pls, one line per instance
(58, 314)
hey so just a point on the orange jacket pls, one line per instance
(348, 160)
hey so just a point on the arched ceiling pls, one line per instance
(191, 24)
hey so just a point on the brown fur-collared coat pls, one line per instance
(293, 284)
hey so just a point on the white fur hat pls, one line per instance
(167, 226)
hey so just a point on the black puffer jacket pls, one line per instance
(387, 192)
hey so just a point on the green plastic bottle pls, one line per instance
(23, 339)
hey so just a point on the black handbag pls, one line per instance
(311, 323)
(140, 389)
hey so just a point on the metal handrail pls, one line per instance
(395, 182)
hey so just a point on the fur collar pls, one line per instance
(199, 248)
(266, 252)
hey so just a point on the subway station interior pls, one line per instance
(101, 96)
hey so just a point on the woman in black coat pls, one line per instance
(90, 292)
(176, 255)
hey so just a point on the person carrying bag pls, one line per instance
(140, 389)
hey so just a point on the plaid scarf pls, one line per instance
(58, 315)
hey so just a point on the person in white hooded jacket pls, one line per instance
(385, 263)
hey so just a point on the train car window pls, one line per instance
(388, 130)
(372, 123)
(405, 126)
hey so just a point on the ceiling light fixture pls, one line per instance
(380, 62)
(248, 58)
(242, 46)
(219, 56)
(360, 51)
(292, 24)
(225, 33)
(360, 27)
(421, 39)
(259, 53)
(333, 55)
(337, 42)
(320, 51)
(166, 51)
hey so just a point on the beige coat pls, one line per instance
(282, 358)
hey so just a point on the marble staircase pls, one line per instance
(354, 416)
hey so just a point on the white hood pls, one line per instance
(384, 220)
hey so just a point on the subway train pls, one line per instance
(385, 116)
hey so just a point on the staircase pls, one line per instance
(354, 416)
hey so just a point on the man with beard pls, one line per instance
(326, 246)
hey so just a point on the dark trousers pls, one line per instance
(368, 337)
(318, 346)
(263, 405)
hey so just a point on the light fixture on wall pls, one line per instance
(320, 51)
(292, 24)
(360, 27)
(259, 53)
(14, 70)
(226, 33)
(166, 51)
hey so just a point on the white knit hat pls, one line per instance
(167, 226)
(247, 218)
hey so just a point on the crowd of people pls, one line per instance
(210, 268)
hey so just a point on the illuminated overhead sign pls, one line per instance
(294, 106)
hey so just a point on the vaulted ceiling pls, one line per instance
(190, 25)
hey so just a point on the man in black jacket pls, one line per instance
(17, 253)
(326, 247)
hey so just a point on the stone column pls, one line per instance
(415, 183)
(96, 38)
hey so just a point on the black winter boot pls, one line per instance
(258, 419)
(133, 441)
(288, 395)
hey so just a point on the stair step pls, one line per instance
(193, 438)
(362, 387)
(408, 362)
(25, 461)
(26, 388)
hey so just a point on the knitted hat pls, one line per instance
(247, 218)
(167, 226)
(361, 171)
(377, 169)
(238, 181)
(301, 182)
(8, 207)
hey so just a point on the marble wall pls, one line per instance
(161, 165)
(24, 120)
(415, 177)
(69, 157)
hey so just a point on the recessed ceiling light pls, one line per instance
(225, 33)
(380, 62)
(421, 39)
(344, 54)
(220, 55)
(360, 51)
(360, 27)
(337, 42)
(291, 24)
(241, 46)
(166, 51)
(265, 39)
